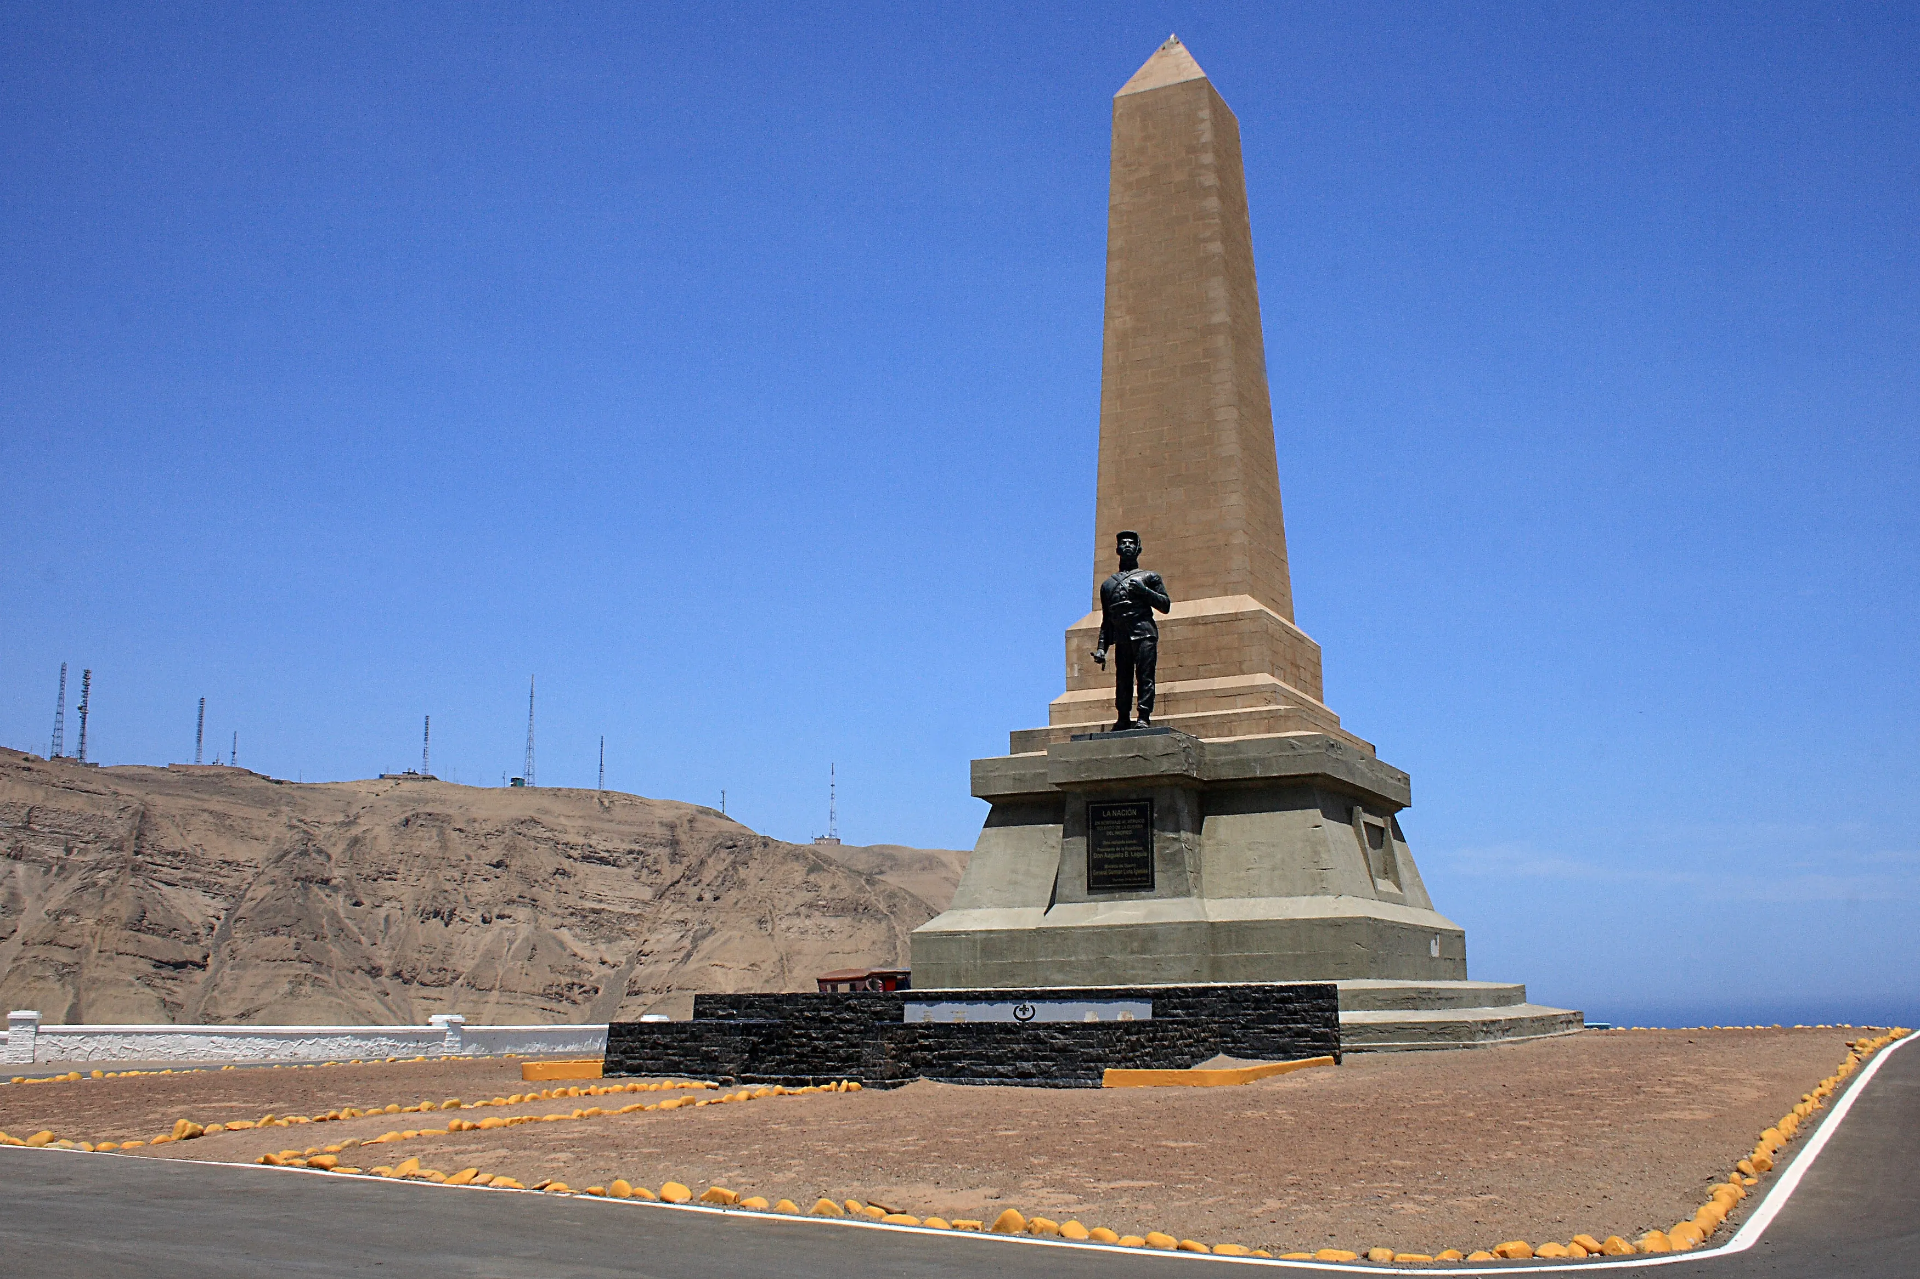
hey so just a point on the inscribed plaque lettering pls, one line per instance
(1120, 846)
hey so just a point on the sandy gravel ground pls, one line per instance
(1603, 1133)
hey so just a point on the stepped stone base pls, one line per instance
(1393, 1016)
(1229, 667)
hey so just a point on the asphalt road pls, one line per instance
(77, 1216)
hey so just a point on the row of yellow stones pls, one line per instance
(187, 1130)
(327, 1158)
(1685, 1235)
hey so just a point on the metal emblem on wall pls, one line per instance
(1120, 846)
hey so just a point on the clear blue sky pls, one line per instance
(736, 368)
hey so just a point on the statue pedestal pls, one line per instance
(1158, 857)
(1153, 857)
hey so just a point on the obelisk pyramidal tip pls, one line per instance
(1170, 64)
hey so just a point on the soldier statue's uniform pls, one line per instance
(1128, 600)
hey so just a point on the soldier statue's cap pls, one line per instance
(1123, 535)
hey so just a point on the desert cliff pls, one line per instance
(209, 894)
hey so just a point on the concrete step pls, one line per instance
(1403, 1029)
(1373, 995)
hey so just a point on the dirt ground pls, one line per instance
(1606, 1132)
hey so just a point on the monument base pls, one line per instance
(1032, 1038)
(1157, 857)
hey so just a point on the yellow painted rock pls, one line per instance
(1296, 1256)
(1449, 1254)
(1554, 1250)
(1588, 1242)
(597, 1191)
(1260, 1252)
(675, 1193)
(786, 1205)
(406, 1167)
(1231, 1250)
(620, 1189)
(1379, 1254)
(1615, 1246)
(1074, 1230)
(1160, 1239)
(1398, 1256)
(827, 1208)
(108, 1145)
(41, 1138)
(1686, 1235)
(756, 1202)
(1481, 1255)
(506, 1183)
(873, 1213)
(1655, 1241)
(381, 1171)
(1335, 1254)
(1131, 1241)
(1043, 1226)
(1190, 1245)
(1009, 1222)
(900, 1219)
(326, 1163)
(937, 1223)
(1762, 1163)
(719, 1195)
(641, 1192)
(1514, 1250)
(271, 1160)
(464, 1177)
(968, 1223)
(1100, 1234)
(558, 1188)
(211, 1129)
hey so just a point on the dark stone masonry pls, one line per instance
(798, 1039)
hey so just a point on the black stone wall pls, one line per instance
(798, 1039)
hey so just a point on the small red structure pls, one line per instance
(876, 979)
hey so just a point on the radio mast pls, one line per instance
(86, 690)
(60, 717)
(426, 745)
(527, 772)
(603, 762)
(200, 731)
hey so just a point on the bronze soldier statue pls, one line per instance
(1127, 602)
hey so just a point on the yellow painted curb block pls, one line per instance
(1205, 1078)
(582, 1068)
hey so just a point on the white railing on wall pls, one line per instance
(447, 1035)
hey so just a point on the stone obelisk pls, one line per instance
(1247, 837)
(1186, 430)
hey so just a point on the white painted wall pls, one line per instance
(28, 1041)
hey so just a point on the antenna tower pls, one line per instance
(60, 717)
(233, 756)
(833, 804)
(603, 761)
(200, 731)
(86, 690)
(426, 746)
(527, 772)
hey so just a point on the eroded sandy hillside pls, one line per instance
(137, 894)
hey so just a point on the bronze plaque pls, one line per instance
(1120, 846)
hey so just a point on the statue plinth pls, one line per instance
(1274, 858)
